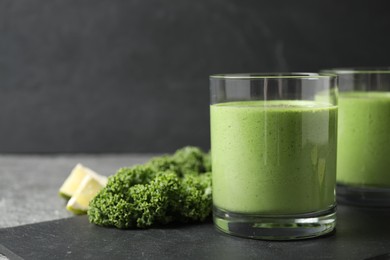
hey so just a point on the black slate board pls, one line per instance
(361, 234)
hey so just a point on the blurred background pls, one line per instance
(132, 76)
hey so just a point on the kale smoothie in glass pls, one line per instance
(364, 143)
(363, 160)
(273, 157)
(273, 147)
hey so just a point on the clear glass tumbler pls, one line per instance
(273, 149)
(363, 161)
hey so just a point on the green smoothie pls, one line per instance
(273, 157)
(364, 139)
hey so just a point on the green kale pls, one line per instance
(166, 189)
(195, 201)
(188, 160)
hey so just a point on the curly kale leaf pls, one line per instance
(139, 205)
(195, 201)
(188, 160)
(166, 189)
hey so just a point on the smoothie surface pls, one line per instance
(287, 105)
(377, 95)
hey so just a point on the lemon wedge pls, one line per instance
(75, 178)
(89, 187)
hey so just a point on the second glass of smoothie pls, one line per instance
(273, 146)
(363, 160)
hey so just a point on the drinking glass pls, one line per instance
(273, 149)
(363, 161)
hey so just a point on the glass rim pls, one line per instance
(274, 75)
(358, 70)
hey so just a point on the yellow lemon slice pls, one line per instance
(89, 187)
(73, 181)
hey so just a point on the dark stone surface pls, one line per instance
(29, 184)
(28, 194)
(361, 234)
(132, 76)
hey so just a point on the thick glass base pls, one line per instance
(275, 227)
(363, 196)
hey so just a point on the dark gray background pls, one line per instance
(132, 75)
